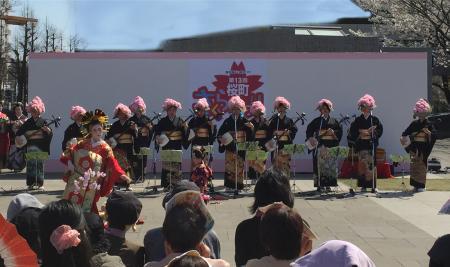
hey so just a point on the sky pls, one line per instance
(144, 24)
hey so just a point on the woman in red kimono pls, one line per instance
(93, 155)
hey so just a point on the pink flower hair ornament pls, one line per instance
(64, 237)
(36, 104)
(325, 102)
(121, 107)
(169, 102)
(138, 103)
(202, 103)
(236, 102)
(279, 100)
(367, 101)
(75, 110)
(422, 107)
(257, 106)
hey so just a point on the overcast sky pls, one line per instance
(143, 24)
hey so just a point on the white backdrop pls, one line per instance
(92, 80)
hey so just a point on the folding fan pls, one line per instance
(14, 249)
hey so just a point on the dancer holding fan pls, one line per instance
(418, 140)
(323, 133)
(235, 129)
(365, 132)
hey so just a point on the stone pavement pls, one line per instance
(395, 230)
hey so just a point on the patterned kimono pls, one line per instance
(16, 157)
(143, 139)
(72, 131)
(364, 145)
(234, 160)
(173, 129)
(37, 141)
(419, 150)
(124, 135)
(4, 144)
(204, 136)
(277, 128)
(97, 157)
(322, 159)
(257, 167)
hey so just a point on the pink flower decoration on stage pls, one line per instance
(64, 237)
(279, 100)
(367, 101)
(236, 102)
(138, 103)
(122, 108)
(75, 110)
(3, 117)
(325, 102)
(169, 102)
(36, 104)
(202, 103)
(257, 106)
(422, 106)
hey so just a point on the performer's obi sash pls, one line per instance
(325, 135)
(364, 134)
(240, 136)
(124, 139)
(174, 135)
(34, 135)
(202, 132)
(282, 135)
(420, 137)
(260, 134)
(83, 160)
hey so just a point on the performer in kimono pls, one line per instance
(257, 110)
(16, 159)
(121, 137)
(202, 132)
(418, 140)
(36, 135)
(170, 134)
(92, 169)
(323, 133)
(235, 129)
(4, 140)
(74, 131)
(365, 131)
(144, 137)
(283, 131)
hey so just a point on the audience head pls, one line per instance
(21, 202)
(272, 187)
(63, 237)
(189, 259)
(281, 231)
(123, 210)
(336, 253)
(179, 187)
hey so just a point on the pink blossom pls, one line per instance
(325, 101)
(138, 103)
(169, 102)
(236, 102)
(422, 106)
(202, 103)
(36, 104)
(75, 110)
(121, 107)
(367, 101)
(257, 106)
(279, 100)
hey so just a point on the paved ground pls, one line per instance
(394, 229)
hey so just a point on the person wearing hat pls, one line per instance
(122, 212)
(170, 134)
(23, 212)
(154, 238)
(418, 140)
(144, 137)
(260, 123)
(201, 133)
(36, 136)
(283, 130)
(235, 129)
(186, 223)
(323, 133)
(365, 132)
(16, 160)
(121, 137)
(91, 156)
(74, 131)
